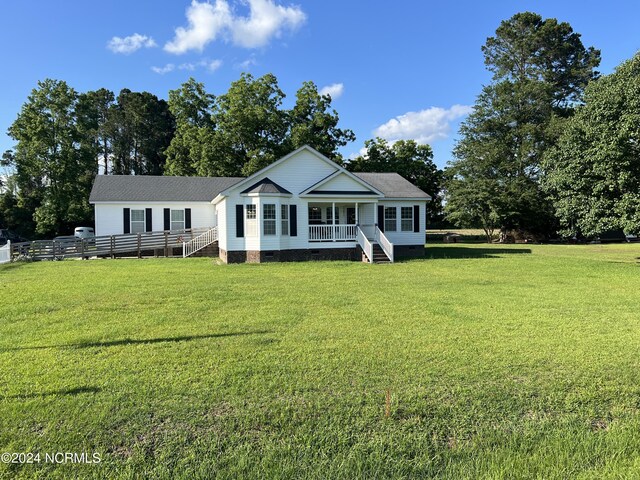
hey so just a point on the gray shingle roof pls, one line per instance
(148, 188)
(392, 185)
(266, 186)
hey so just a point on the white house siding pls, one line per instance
(297, 173)
(343, 182)
(109, 216)
(223, 227)
(405, 238)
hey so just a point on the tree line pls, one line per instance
(551, 146)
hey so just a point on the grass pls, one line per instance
(516, 361)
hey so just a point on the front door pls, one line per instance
(351, 216)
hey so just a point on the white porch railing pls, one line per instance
(5, 252)
(384, 243)
(332, 233)
(199, 242)
(365, 244)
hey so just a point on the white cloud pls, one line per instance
(266, 20)
(248, 63)
(169, 67)
(210, 65)
(130, 44)
(334, 90)
(424, 126)
(213, 65)
(207, 22)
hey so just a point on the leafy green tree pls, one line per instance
(141, 127)
(528, 48)
(593, 174)
(251, 128)
(246, 128)
(314, 123)
(93, 126)
(540, 70)
(192, 108)
(409, 159)
(51, 174)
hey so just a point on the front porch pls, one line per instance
(339, 221)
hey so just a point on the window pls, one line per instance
(137, 221)
(269, 219)
(251, 220)
(315, 215)
(284, 218)
(406, 219)
(177, 220)
(330, 215)
(390, 219)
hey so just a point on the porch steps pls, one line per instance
(210, 250)
(378, 254)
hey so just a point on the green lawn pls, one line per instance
(517, 361)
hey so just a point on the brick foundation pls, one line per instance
(408, 251)
(298, 255)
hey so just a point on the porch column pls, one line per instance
(333, 221)
(356, 213)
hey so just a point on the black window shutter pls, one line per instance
(239, 221)
(148, 227)
(416, 218)
(381, 217)
(293, 220)
(187, 218)
(126, 220)
(167, 219)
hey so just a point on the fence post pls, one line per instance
(139, 244)
(111, 247)
(82, 248)
(166, 243)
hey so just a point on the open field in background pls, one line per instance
(503, 361)
(466, 234)
(461, 231)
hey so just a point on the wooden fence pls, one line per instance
(134, 244)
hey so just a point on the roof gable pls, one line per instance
(266, 186)
(294, 171)
(341, 182)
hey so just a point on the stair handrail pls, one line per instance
(198, 243)
(365, 244)
(385, 244)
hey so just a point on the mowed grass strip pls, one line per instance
(514, 361)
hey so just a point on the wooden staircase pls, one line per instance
(378, 255)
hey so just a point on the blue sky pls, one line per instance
(409, 69)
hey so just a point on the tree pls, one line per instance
(314, 123)
(251, 128)
(246, 128)
(93, 126)
(528, 48)
(593, 174)
(51, 174)
(540, 70)
(141, 127)
(192, 108)
(409, 159)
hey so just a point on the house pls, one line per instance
(303, 206)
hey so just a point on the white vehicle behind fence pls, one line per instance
(84, 232)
